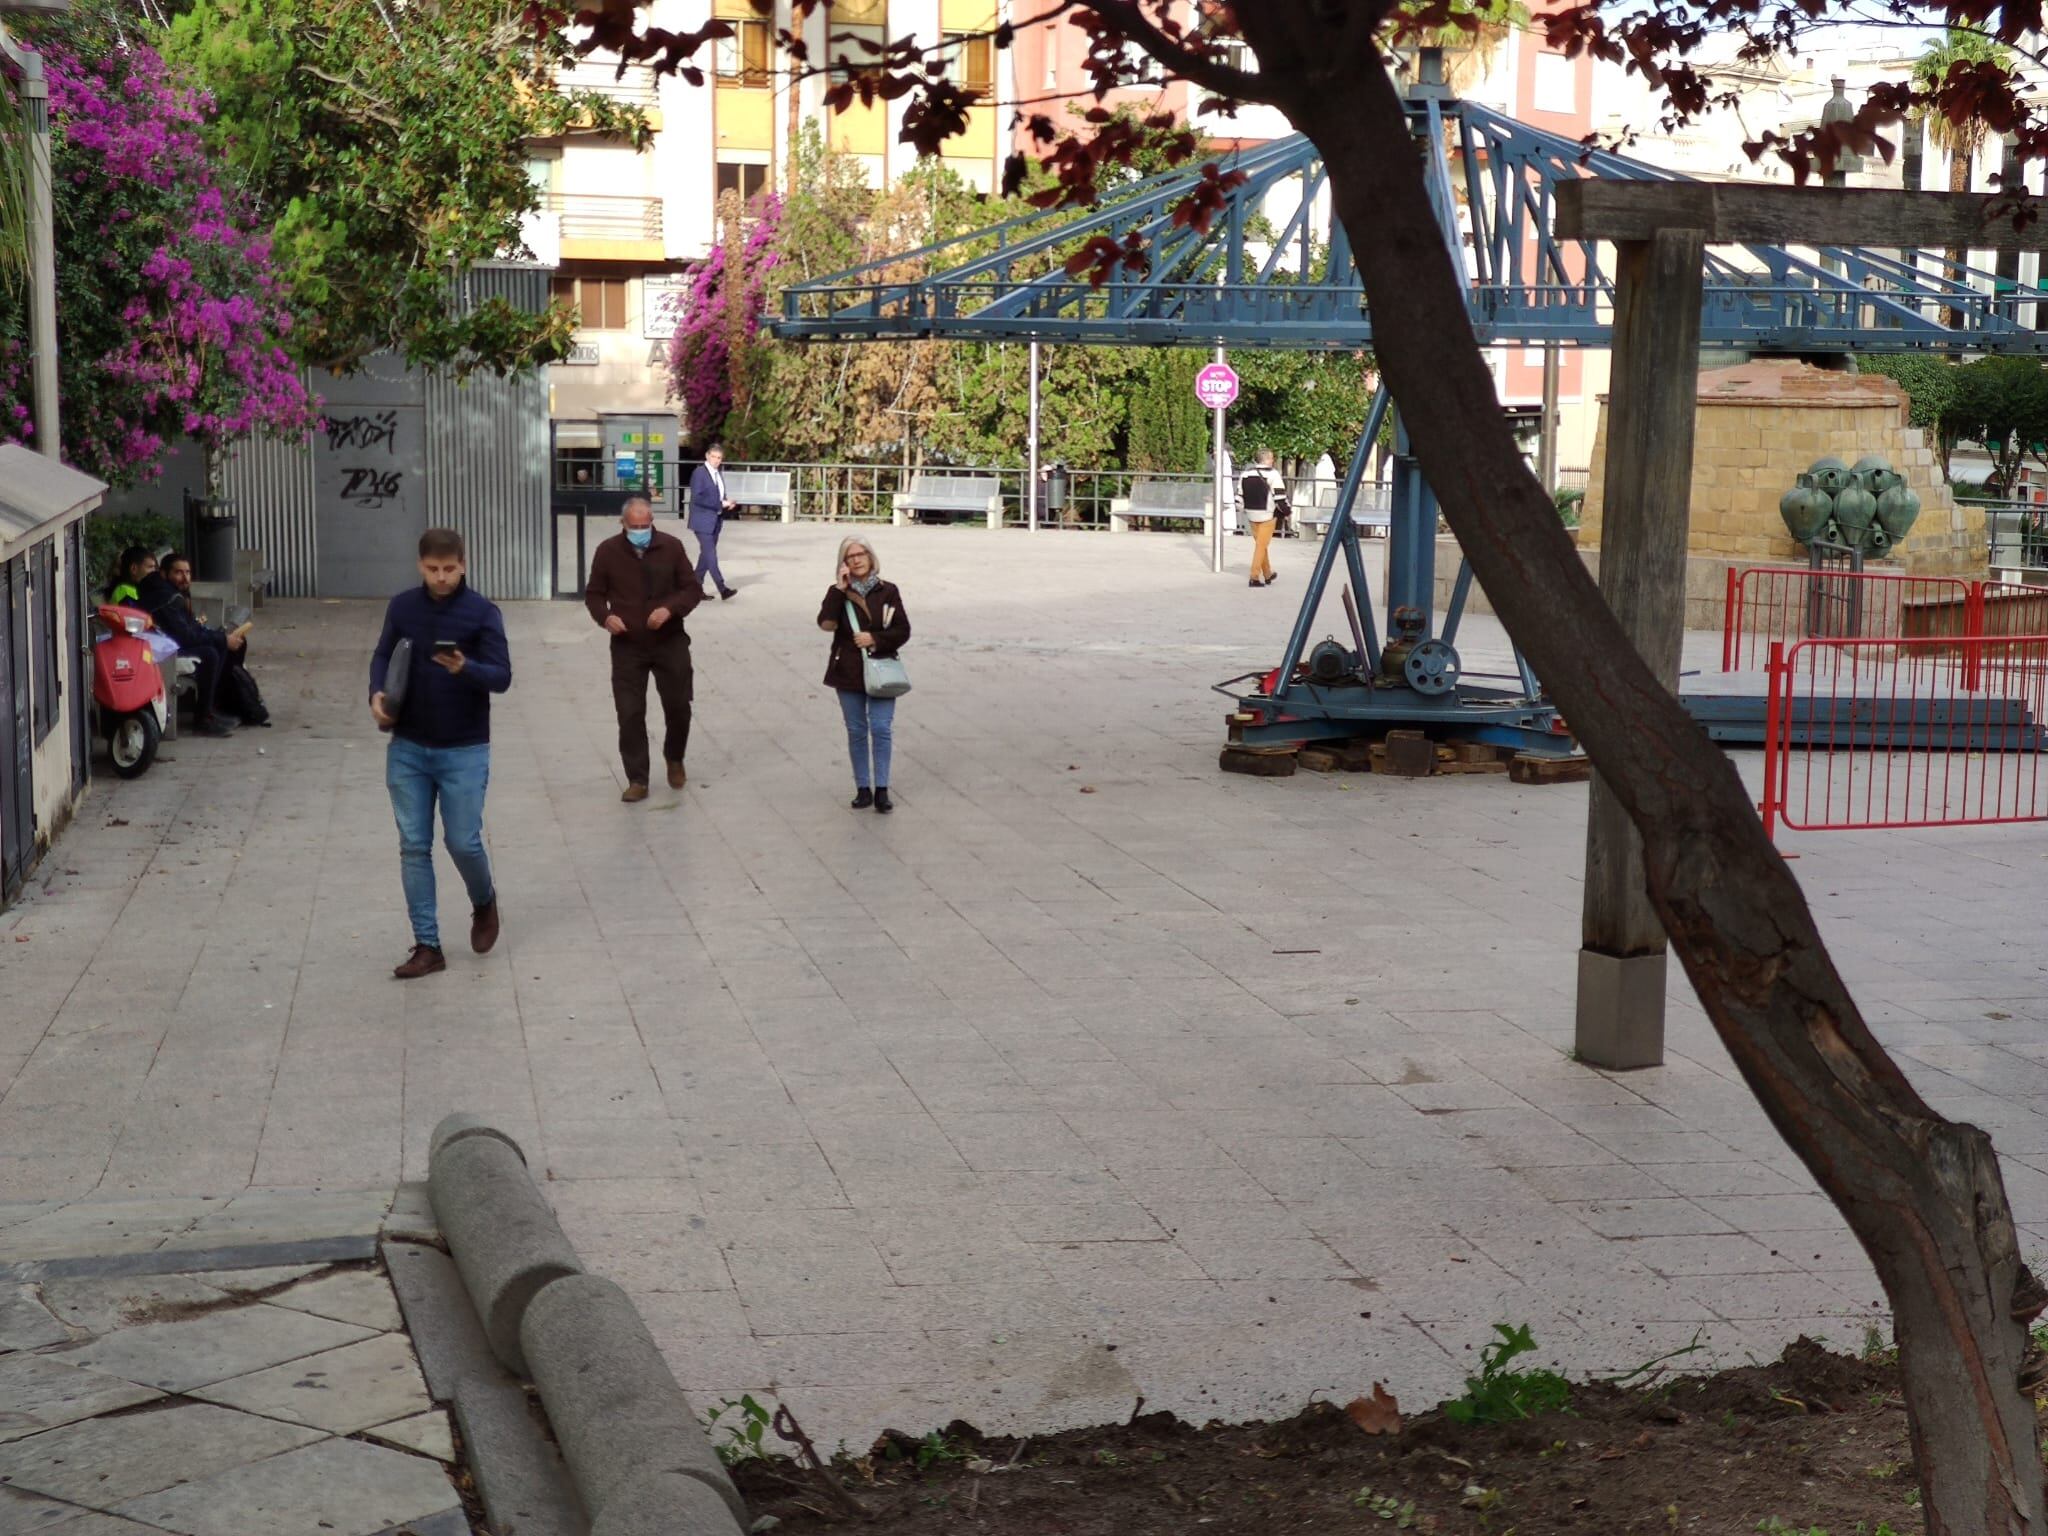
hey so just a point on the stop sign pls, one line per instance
(1216, 386)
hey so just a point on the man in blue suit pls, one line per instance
(709, 503)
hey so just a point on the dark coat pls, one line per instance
(885, 604)
(632, 584)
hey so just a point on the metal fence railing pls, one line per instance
(588, 490)
(1867, 734)
(866, 493)
(1767, 605)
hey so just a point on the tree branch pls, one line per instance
(1129, 18)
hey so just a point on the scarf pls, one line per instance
(865, 585)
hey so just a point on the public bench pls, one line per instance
(1369, 514)
(761, 488)
(1178, 500)
(949, 497)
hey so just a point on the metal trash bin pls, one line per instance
(214, 559)
(1059, 483)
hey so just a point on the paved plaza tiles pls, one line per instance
(1091, 1074)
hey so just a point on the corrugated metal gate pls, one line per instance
(480, 459)
(416, 450)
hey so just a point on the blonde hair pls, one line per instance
(854, 541)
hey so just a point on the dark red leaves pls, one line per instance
(1102, 257)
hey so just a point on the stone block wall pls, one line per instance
(1759, 426)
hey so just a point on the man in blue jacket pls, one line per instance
(441, 739)
(709, 503)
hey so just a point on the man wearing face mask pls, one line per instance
(640, 588)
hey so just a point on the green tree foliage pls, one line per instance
(968, 403)
(2001, 402)
(1169, 429)
(1930, 386)
(388, 144)
(1299, 404)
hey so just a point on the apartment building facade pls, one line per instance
(624, 228)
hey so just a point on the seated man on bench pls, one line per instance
(167, 609)
(239, 695)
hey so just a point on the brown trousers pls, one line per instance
(667, 661)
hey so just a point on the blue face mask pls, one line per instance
(639, 538)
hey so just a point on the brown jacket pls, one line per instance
(633, 583)
(884, 618)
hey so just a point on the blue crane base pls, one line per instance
(1311, 712)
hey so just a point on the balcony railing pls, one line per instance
(588, 216)
(635, 88)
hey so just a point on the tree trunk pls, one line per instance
(1922, 1194)
(1960, 160)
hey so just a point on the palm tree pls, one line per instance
(1961, 138)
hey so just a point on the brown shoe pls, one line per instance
(424, 961)
(676, 777)
(483, 927)
(634, 793)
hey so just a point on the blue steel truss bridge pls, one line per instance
(1274, 269)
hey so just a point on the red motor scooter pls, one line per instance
(128, 687)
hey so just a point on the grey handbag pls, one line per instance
(397, 678)
(882, 676)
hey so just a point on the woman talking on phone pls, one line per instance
(864, 615)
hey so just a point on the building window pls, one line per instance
(855, 49)
(745, 55)
(1555, 87)
(1052, 58)
(599, 302)
(970, 62)
(750, 181)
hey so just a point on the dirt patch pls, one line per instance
(1813, 1440)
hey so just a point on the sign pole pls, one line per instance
(1031, 473)
(1221, 503)
(1216, 388)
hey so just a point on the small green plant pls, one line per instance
(936, 1447)
(1773, 1526)
(1387, 1507)
(737, 1430)
(1877, 1348)
(1569, 504)
(1884, 1471)
(1498, 1395)
(1108, 1459)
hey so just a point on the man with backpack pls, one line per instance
(1263, 493)
(237, 694)
(168, 610)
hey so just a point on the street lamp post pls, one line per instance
(25, 65)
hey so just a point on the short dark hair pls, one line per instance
(714, 447)
(175, 557)
(442, 544)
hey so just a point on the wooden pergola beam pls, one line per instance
(1735, 213)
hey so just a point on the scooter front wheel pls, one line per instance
(133, 742)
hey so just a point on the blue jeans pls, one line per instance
(868, 721)
(707, 557)
(457, 776)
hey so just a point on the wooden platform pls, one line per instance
(1733, 707)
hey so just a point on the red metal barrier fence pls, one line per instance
(1907, 732)
(1768, 604)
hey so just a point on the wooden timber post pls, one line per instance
(1660, 230)
(1645, 501)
